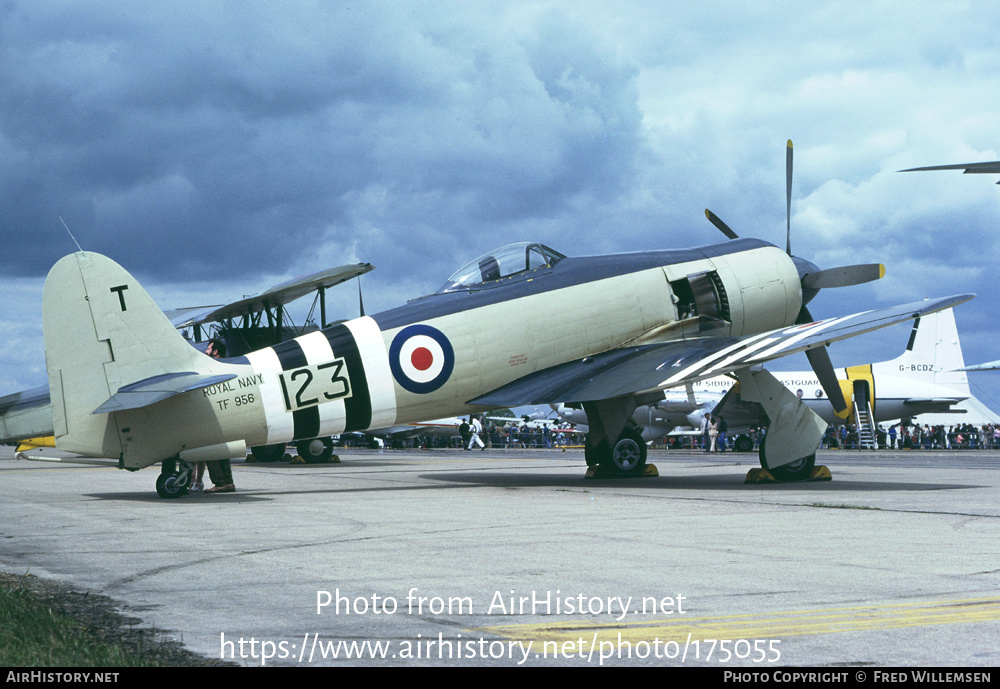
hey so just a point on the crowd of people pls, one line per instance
(920, 437)
(713, 436)
(896, 437)
(515, 433)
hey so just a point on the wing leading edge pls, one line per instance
(631, 370)
(992, 166)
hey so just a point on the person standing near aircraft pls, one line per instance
(476, 429)
(464, 431)
(713, 433)
(219, 470)
(198, 474)
(705, 423)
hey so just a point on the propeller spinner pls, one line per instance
(813, 279)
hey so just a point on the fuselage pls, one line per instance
(428, 358)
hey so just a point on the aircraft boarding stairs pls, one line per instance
(865, 422)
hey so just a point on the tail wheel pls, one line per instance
(171, 486)
(315, 451)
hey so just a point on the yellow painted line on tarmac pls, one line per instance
(764, 625)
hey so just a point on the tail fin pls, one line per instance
(932, 354)
(102, 332)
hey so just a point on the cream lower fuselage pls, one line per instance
(427, 359)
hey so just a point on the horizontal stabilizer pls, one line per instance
(159, 388)
(943, 401)
(69, 460)
(25, 414)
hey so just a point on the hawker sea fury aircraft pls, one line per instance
(125, 385)
(927, 378)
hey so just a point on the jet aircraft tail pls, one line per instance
(108, 347)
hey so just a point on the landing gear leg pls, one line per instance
(173, 479)
(626, 455)
(788, 450)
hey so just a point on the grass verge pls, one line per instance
(49, 625)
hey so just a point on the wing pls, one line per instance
(631, 370)
(969, 168)
(276, 296)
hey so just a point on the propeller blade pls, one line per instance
(819, 359)
(723, 227)
(845, 276)
(788, 198)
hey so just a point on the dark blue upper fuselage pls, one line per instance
(566, 272)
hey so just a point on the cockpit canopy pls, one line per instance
(501, 263)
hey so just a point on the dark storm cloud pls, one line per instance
(205, 140)
(232, 145)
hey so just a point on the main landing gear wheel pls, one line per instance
(799, 470)
(743, 443)
(627, 457)
(315, 451)
(173, 479)
(269, 453)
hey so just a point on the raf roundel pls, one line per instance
(421, 358)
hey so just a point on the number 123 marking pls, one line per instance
(309, 386)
